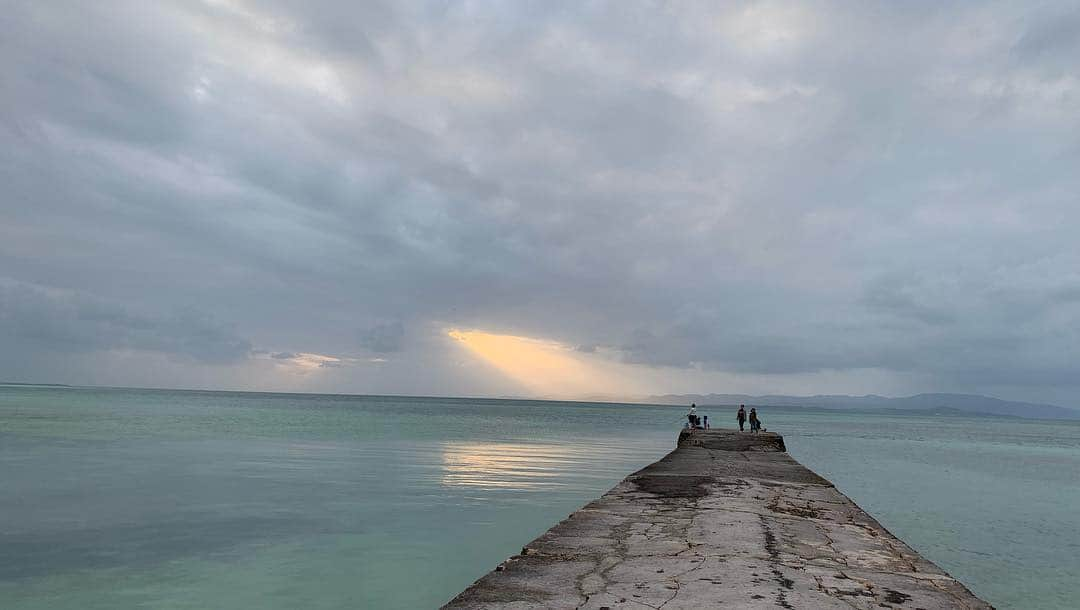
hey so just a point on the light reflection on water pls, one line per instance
(532, 466)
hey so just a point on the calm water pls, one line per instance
(164, 499)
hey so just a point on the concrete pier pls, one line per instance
(726, 520)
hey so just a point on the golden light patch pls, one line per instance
(548, 368)
(502, 465)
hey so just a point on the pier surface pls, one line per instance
(726, 520)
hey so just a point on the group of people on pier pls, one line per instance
(755, 423)
(699, 422)
(695, 421)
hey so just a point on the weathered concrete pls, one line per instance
(727, 520)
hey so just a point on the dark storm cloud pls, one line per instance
(755, 188)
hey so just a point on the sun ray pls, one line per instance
(545, 367)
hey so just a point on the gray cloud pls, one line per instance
(35, 318)
(750, 188)
(1053, 39)
(383, 338)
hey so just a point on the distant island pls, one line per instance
(944, 404)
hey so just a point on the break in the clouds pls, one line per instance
(796, 197)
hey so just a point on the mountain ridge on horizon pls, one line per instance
(968, 403)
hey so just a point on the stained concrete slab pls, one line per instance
(726, 520)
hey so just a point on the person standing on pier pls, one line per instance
(692, 416)
(755, 423)
(741, 417)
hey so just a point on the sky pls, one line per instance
(560, 199)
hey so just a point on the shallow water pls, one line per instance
(168, 499)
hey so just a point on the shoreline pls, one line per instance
(727, 519)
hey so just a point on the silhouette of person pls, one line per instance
(741, 416)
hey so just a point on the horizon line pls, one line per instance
(594, 400)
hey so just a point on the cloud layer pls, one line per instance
(743, 197)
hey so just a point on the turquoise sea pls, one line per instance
(123, 498)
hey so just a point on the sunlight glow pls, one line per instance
(548, 368)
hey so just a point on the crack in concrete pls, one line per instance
(689, 547)
(821, 587)
(774, 561)
(831, 544)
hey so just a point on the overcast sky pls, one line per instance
(672, 197)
